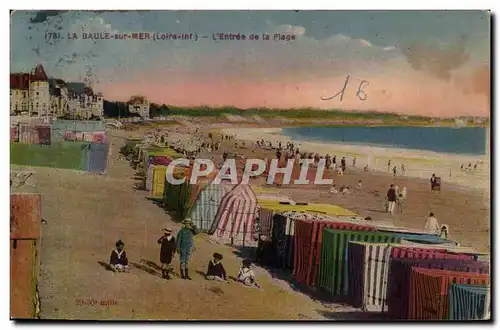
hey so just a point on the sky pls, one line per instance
(433, 63)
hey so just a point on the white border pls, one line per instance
(184, 4)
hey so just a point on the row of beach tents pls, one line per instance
(403, 273)
(65, 144)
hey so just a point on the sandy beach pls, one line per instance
(418, 163)
(87, 213)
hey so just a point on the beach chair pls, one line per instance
(437, 184)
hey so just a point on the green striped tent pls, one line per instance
(469, 302)
(333, 271)
(177, 198)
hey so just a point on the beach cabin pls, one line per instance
(207, 204)
(235, 220)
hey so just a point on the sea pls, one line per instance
(460, 140)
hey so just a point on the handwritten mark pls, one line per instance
(360, 94)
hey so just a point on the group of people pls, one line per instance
(395, 196)
(395, 168)
(344, 190)
(183, 244)
(468, 168)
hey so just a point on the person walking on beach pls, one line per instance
(394, 170)
(432, 225)
(403, 169)
(433, 181)
(328, 161)
(185, 246)
(334, 161)
(401, 199)
(354, 162)
(391, 199)
(342, 163)
(389, 165)
(167, 252)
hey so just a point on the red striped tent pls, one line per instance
(235, 219)
(400, 269)
(307, 240)
(429, 291)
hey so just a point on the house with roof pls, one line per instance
(139, 105)
(29, 92)
(35, 94)
(84, 102)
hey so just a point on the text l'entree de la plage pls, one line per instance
(167, 36)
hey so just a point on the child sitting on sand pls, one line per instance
(118, 260)
(444, 232)
(333, 189)
(246, 274)
(216, 271)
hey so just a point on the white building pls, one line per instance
(139, 105)
(83, 102)
(35, 94)
(30, 93)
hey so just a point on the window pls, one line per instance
(36, 104)
(36, 93)
(16, 107)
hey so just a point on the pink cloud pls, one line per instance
(401, 92)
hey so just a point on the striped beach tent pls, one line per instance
(207, 204)
(468, 302)
(368, 268)
(265, 221)
(308, 241)
(235, 219)
(429, 291)
(398, 282)
(333, 274)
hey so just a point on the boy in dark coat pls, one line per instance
(167, 252)
(118, 261)
(216, 270)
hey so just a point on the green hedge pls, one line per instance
(68, 155)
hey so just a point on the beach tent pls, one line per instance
(398, 281)
(429, 291)
(207, 204)
(25, 219)
(369, 265)
(158, 180)
(235, 219)
(333, 274)
(130, 144)
(308, 237)
(326, 209)
(468, 302)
